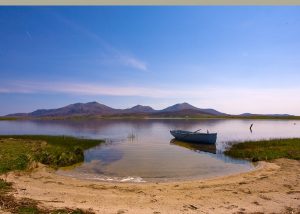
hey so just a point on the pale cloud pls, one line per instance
(133, 62)
(28, 35)
(5, 90)
(82, 89)
(258, 100)
(229, 100)
(111, 52)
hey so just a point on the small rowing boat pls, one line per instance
(195, 137)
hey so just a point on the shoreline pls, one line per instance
(82, 118)
(273, 187)
(255, 166)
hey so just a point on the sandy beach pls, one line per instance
(273, 187)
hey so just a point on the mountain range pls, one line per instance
(97, 109)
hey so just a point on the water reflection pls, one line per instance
(103, 153)
(208, 149)
(228, 130)
(142, 149)
(211, 148)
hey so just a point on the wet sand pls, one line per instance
(272, 188)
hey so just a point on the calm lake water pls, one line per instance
(143, 150)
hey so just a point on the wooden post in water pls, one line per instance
(251, 127)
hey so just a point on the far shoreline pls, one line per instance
(83, 118)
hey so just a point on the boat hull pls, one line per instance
(209, 138)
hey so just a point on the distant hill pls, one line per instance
(97, 109)
(189, 109)
(267, 115)
(179, 107)
(138, 109)
(77, 109)
(184, 113)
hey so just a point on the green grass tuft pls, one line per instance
(17, 152)
(266, 149)
(28, 210)
(64, 211)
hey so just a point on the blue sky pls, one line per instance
(233, 59)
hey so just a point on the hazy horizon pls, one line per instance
(232, 59)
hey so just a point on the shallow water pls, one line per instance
(143, 150)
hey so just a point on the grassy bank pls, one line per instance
(17, 152)
(266, 149)
(10, 118)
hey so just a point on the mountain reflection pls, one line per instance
(95, 126)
